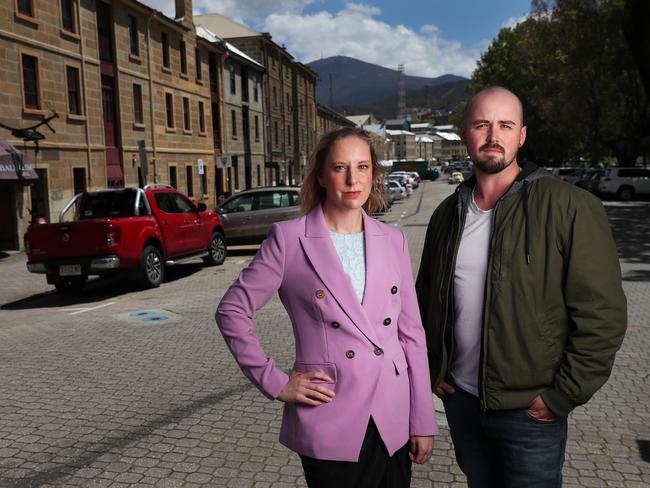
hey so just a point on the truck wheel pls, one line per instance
(216, 250)
(152, 268)
(625, 193)
(70, 285)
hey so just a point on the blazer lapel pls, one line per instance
(378, 267)
(320, 251)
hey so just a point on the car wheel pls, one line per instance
(625, 193)
(70, 285)
(152, 268)
(216, 250)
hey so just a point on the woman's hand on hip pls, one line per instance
(301, 389)
(421, 448)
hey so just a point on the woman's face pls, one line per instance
(347, 174)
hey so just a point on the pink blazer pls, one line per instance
(374, 351)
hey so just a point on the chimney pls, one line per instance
(184, 12)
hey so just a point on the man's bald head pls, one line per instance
(497, 91)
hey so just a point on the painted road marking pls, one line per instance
(77, 310)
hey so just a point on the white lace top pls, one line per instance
(352, 253)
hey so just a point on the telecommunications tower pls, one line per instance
(401, 92)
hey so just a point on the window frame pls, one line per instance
(233, 120)
(166, 52)
(134, 36)
(138, 106)
(187, 116)
(31, 16)
(79, 94)
(169, 111)
(182, 49)
(201, 107)
(38, 110)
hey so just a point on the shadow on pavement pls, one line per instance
(98, 289)
(631, 227)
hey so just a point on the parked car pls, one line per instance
(589, 179)
(403, 180)
(456, 177)
(624, 182)
(567, 173)
(397, 190)
(136, 230)
(248, 215)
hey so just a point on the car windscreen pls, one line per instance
(107, 204)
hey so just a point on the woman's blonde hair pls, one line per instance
(313, 194)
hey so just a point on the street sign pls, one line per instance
(201, 166)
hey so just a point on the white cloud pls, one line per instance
(355, 32)
(513, 21)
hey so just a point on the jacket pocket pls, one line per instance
(328, 368)
(400, 363)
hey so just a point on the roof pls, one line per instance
(205, 33)
(359, 119)
(424, 125)
(224, 26)
(444, 127)
(242, 54)
(423, 138)
(399, 132)
(448, 136)
(396, 121)
(375, 129)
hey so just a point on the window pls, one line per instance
(212, 66)
(201, 117)
(26, 7)
(134, 42)
(169, 106)
(165, 49)
(79, 180)
(233, 116)
(173, 177)
(288, 135)
(288, 102)
(257, 128)
(243, 203)
(197, 61)
(183, 50)
(255, 95)
(189, 179)
(182, 204)
(186, 114)
(67, 15)
(275, 136)
(235, 169)
(31, 90)
(74, 95)
(233, 85)
(138, 116)
(204, 182)
(275, 98)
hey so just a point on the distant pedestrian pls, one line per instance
(520, 295)
(358, 404)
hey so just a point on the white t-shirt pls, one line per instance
(469, 289)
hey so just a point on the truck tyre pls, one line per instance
(216, 250)
(70, 285)
(625, 193)
(152, 267)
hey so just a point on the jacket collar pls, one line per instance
(318, 247)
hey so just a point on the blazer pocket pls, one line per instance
(400, 363)
(328, 368)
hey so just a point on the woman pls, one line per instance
(358, 404)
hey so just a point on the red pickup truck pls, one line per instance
(138, 230)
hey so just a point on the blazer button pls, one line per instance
(387, 321)
(378, 351)
(320, 294)
(393, 290)
(335, 324)
(349, 354)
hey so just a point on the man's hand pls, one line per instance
(443, 389)
(300, 389)
(421, 447)
(539, 411)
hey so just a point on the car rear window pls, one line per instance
(109, 204)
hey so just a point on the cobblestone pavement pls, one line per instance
(122, 387)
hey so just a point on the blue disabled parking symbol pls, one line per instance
(147, 316)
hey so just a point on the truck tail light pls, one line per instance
(112, 236)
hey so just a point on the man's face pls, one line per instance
(493, 131)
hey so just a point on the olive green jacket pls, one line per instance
(554, 312)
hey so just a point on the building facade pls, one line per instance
(403, 143)
(328, 120)
(304, 118)
(133, 104)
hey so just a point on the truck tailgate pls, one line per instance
(67, 240)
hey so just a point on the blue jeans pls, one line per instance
(505, 448)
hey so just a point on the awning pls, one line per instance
(14, 165)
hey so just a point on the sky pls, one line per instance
(430, 37)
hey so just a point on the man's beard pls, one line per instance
(489, 165)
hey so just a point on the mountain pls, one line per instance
(356, 82)
(444, 97)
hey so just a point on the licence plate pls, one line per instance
(69, 270)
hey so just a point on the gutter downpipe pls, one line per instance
(85, 96)
(151, 95)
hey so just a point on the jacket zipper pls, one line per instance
(451, 308)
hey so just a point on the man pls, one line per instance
(520, 294)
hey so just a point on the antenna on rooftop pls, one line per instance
(401, 92)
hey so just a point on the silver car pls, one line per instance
(248, 215)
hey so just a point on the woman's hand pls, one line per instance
(421, 448)
(300, 389)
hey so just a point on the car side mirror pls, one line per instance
(202, 207)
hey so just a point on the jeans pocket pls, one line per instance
(554, 420)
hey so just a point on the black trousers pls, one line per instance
(375, 468)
